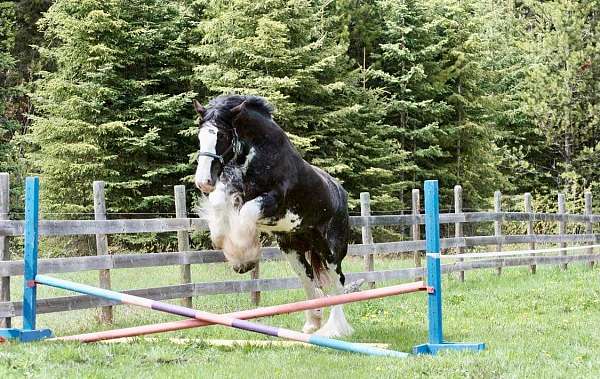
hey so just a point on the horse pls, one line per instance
(256, 182)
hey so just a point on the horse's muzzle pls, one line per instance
(205, 186)
(244, 267)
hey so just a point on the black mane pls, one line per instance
(219, 108)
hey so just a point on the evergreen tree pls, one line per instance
(504, 43)
(116, 104)
(561, 94)
(8, 123)
(293, 52)
(431, 68)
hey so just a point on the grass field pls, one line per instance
(544, 325)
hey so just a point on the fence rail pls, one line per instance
(11, 228)
(182, 225)
(68, 303)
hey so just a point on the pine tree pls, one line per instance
(427, 63)
(116, 104)
(505, 43)
(561, 88)
(293, 52)
(8, 123)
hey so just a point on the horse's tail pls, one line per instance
(318, 267)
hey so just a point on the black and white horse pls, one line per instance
(257, 182)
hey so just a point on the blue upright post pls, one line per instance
(32, 190)
(434, 278)
(29, 333)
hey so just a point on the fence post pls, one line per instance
(588, 224)
(366, 232)
(530, 232)
(4, 251)
(106, 314)
(458, 227)
(498, 224)
(183, 240)
(416, 228)
(562, 225)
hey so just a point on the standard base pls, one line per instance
(24, 335)
(433, 348)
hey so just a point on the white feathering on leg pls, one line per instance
(336, 325)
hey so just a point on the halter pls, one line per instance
(235, 145)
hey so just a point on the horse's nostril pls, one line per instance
(205, 185)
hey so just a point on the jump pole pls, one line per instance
(434, 279)
(217, 319)
(251, 313)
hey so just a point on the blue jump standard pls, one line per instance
(434, 279)
(29, 333)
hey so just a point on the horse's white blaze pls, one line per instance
(208, 144)
(288, 223)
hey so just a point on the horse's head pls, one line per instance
(220, 124)
(219, 144)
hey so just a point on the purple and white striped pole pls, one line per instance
(215, 318)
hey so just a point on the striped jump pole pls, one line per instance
(216, 319)
(251, 313)
(434, 278)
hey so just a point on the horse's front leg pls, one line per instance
(218, 211)
(242, 247)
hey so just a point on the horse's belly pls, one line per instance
(287, 223)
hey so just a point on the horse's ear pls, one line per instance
(198, 107)
(237, 109)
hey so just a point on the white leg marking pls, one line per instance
(242, 244)
(218, 209)
(313, 317)
(336, 325)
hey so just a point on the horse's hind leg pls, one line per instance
(304, 271)
(336, 245)
(336, 325)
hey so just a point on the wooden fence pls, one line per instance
(183, 225)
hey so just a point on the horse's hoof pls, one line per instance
(310, 328)
(354, 286)
(334, 331)
(313, 322)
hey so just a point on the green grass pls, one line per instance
(543, 325)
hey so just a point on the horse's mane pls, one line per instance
(220, 107)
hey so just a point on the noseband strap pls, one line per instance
(235, 146)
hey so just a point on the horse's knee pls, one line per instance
(241, 251)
